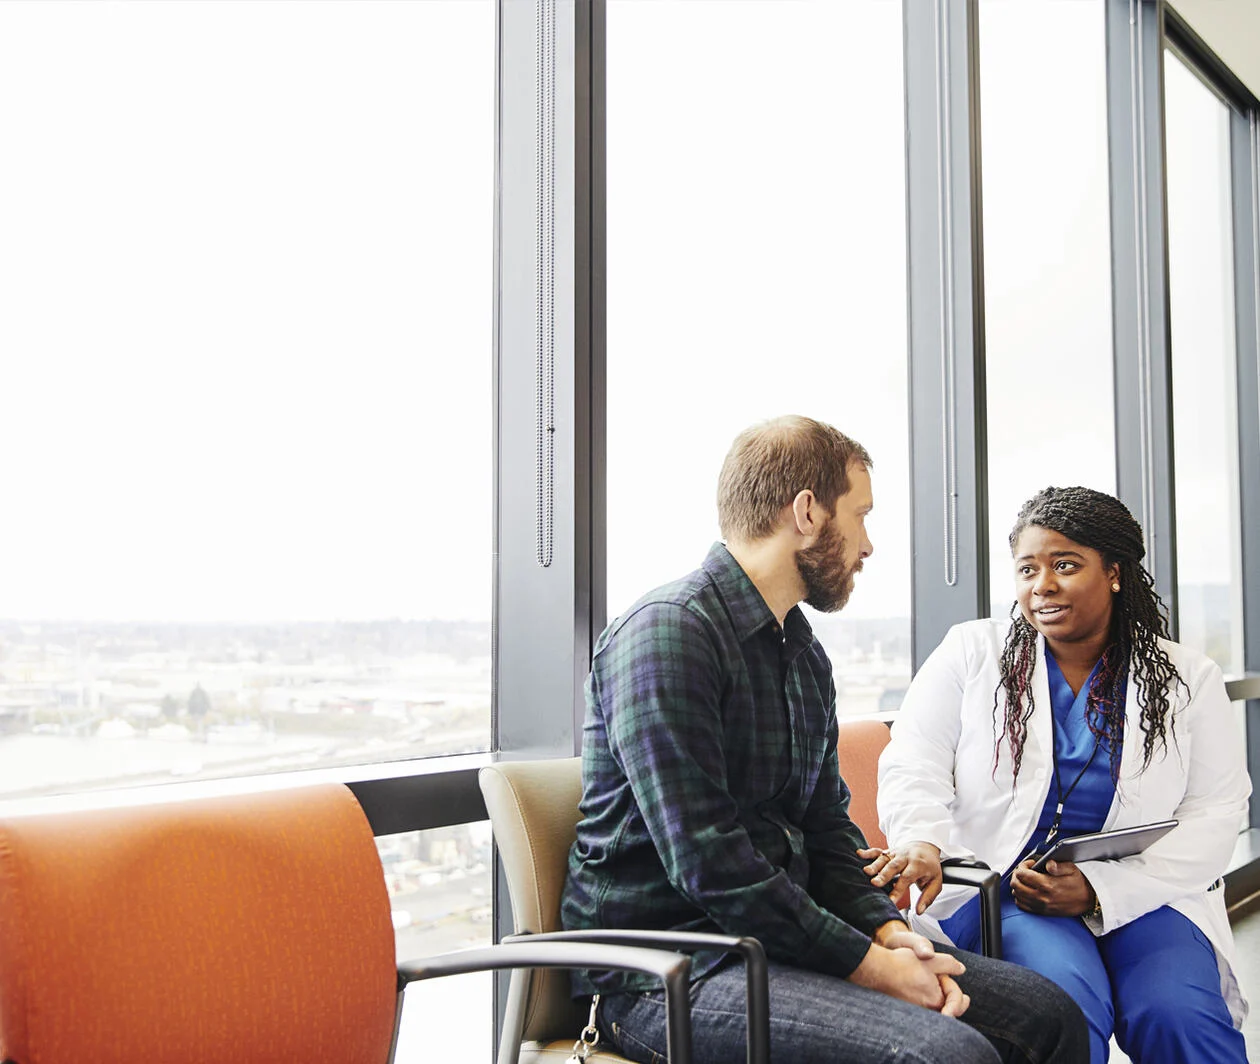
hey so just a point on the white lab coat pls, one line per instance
(938, 784)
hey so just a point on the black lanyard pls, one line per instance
(1058, 784)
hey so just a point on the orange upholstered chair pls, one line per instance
(861, 743)
(253, 929)
(859, 746)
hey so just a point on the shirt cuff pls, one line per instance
(837, 949)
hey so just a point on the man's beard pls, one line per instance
(828, 581)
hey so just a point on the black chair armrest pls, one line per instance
(757, 1006)
(965, 872)
(672, 968)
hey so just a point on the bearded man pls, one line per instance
(712, 800)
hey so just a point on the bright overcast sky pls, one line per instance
(245, 307)
(245, 289)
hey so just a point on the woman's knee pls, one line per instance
(1169, 1013)
(1071, 962)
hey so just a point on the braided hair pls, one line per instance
(1138, 619)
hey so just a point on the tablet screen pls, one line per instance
(1105, 845)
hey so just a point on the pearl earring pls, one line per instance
(1115, 587)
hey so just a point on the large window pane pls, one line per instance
(1047, 259)
(1205, 395)
(756, 267)
(439, 884)
(245, 265)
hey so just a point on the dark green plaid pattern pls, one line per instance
(711, 793)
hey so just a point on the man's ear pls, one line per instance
(805, 513)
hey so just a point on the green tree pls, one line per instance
(198, 703)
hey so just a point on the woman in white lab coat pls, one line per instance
(1079, 715)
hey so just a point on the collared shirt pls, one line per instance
(712, 798)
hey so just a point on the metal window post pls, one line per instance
(946, 318)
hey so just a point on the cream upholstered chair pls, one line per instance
(533, 808)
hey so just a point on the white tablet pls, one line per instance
(1105, 845)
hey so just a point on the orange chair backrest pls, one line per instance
(253, 929)
(859, 747)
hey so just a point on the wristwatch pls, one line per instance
(1096, 911)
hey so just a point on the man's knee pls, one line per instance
(1042, 1021)
(1064, 1018)
(955, 1043)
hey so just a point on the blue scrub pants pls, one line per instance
(1154, 982)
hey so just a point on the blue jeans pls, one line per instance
(1015, 1015)
(1153, 982)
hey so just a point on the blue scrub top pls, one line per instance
(1086, 807)
(1088, 802)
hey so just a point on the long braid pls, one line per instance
(1138, 620)
(1017, 664)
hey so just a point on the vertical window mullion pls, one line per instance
(1140, 280)
(545, 274)
(1245, 148)
(945, 274)
(537, 592)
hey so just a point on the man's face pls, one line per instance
(828, 566)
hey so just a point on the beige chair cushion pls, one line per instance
(533, 808)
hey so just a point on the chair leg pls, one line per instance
(991, 916)
(393, 1042)
(677, 1016)
(989, 884)
(514, 1016)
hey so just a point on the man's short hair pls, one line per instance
(770, 463)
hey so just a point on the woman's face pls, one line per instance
(1062, 587)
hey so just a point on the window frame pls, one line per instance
(545, 618)
(1178, 37)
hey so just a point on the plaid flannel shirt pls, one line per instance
(712, 797)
